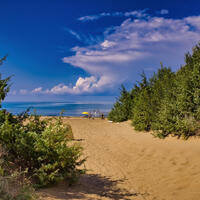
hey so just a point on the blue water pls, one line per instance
(54, 108)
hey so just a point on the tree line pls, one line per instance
(166, 103)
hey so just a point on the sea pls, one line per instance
(55, 108)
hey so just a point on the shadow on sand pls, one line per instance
(90, 186)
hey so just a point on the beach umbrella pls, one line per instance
(85, 113)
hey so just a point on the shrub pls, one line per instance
(45, 147)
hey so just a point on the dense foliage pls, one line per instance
(40, 148)
(167, 103)
(122, 108)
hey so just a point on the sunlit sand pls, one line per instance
(125, 164)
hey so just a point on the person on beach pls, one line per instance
(89, 116)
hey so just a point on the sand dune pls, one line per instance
(125, 164)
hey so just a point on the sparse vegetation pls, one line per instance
(167, 103)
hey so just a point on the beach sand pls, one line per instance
(126, 164)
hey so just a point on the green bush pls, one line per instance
(45, 147)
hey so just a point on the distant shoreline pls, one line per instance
(69, 109)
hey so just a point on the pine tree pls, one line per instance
(4, 87)
(142, 106)
(121, 110)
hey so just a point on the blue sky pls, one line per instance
(83, 50)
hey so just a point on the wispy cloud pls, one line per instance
(87, 39)
(73, 33)
(134, 45)
(135, 13)
(93, 17)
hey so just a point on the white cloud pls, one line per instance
(83, 85)
(131, 47)
(193, 21)
(107, 44)
(37, 90)
(138, 43)
(163, 12)
(136, 13)
(94, 17)
(89, 18)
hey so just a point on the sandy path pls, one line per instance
(125, 164)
